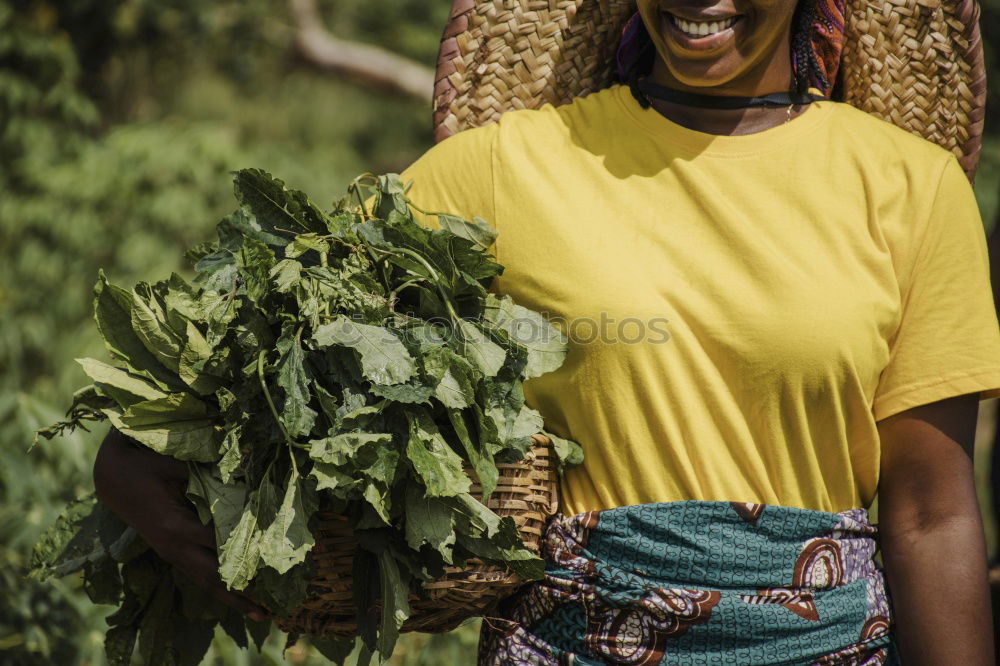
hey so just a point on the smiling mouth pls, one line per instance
(696, 29)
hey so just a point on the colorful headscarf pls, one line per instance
(826, 42)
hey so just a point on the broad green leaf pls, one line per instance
(341, 449)
(407, 393)
(183, 302)
(150, 323)
(395, 606)
(259, 632)
(86, 532)
(329, 477)
(191, 638)
(234, 625)
(366, 585)
(515, 428)
(546, 344)
(119, 643)
(235, 420)
(478, 230)
(280, 593)
(240, 554)
(568, 452)
(124, 387)
(113, 314)
(232, 456)
(287, 539)
(235, 229)
(156, 627)
(217, 271)
(378, 497)
(196, 348)
(384, 358)
(292, 377)
(518, 559)
(429, 521)
(382, 467)
(477, 454)
(473, 515)
(274, 206)
(102, 582)
(286, 274)
(178, 425)
(304, 243)
(255, 261)
(334, 648)
(478, 348)
(223, 502)
(456, 377)
(194, 357)
(433, 460)
(487, 535)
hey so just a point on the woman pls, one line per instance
(772, 312)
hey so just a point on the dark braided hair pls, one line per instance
(805, 66)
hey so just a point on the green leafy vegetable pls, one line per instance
(318, 360)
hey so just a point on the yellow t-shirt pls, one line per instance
(742, 309)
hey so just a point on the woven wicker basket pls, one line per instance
(526, 491)
(915, 63)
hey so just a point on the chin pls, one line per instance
(703, 74)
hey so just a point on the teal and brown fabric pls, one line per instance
(698, 582)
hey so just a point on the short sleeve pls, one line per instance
(948, 341)
(455, 176)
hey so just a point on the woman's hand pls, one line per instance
(146, 490)
(932, 535)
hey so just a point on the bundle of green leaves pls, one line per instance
(350, 360)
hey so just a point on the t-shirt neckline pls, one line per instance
(720, 145)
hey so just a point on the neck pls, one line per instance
(774, 75)
(727, 122)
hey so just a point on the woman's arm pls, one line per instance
(146, 490)
(932, 536)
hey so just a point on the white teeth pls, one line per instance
(702, 28)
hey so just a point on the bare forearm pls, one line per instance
(937, 578)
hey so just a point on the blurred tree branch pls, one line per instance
(369, 64)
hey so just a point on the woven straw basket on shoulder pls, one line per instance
(915, 63)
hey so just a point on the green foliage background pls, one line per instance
(119, 122)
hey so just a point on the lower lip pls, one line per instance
(703, 42)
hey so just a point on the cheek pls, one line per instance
(650, 16)
(774, 7)
(645, 7)
(773, 17)
(651, 19)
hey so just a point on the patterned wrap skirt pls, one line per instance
(699, 582)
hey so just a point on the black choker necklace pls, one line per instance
(643, 90)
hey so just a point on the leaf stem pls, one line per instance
(267, 395)
(430, 269)
(425, 212)
(354, 188)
